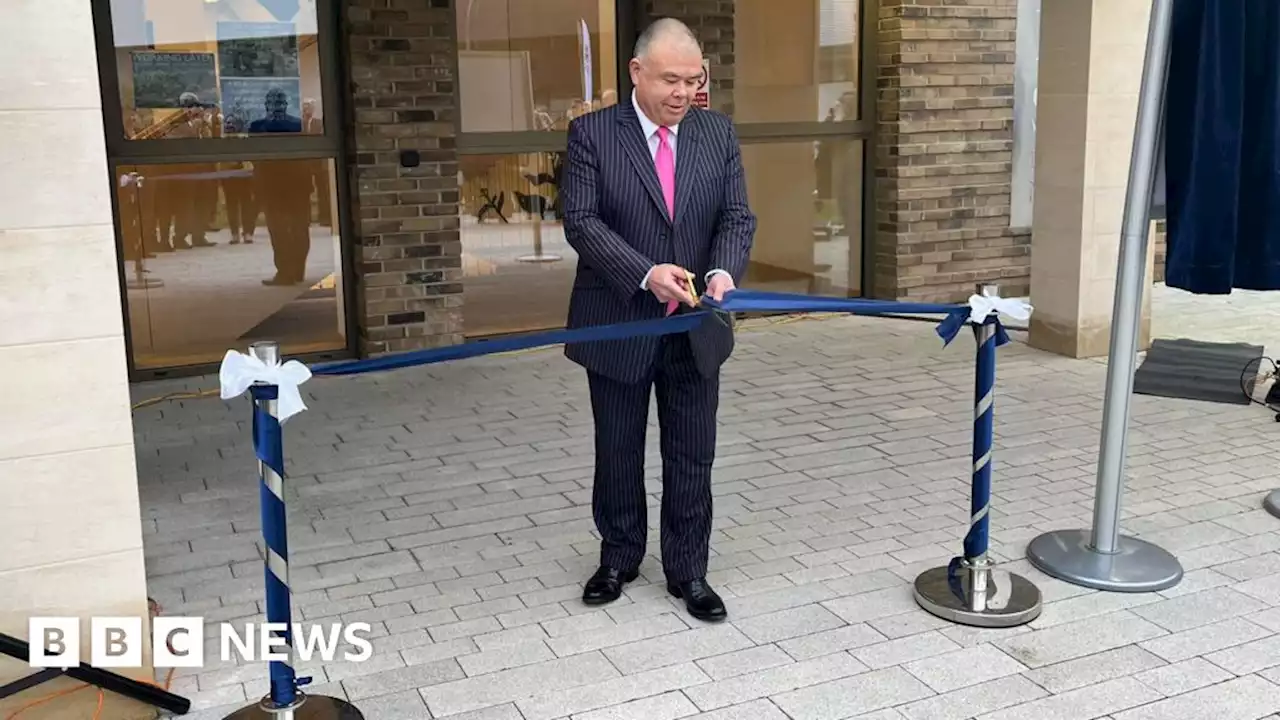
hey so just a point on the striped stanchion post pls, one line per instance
(971, 590)
(284, 701)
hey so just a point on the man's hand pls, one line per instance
(719, 284)
(670, 284)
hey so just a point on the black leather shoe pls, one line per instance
(606, 585)
(701, 601)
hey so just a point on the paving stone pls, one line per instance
(1190, 611)
(550, 702)
(754, 710)
(510, 685)
(836, 483)
(667, 706)
(1248, 657)
(1245, 698)
(1093, 669)
(786, 624)
(963, 668)
(768, 683)
(859, 694)
(1077, 639)
(1205, 639)
(740, 662)
(1093, 701)
(695, 644)
(975, 700)
(1184, 676)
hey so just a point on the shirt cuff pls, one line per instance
(644, 282)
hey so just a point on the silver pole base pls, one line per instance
(144, 283)
(1137, 566)
(313, 707)
(982, 596)
(1272, 503)
(539, 258)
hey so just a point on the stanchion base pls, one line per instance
(144, 283)
(1138, 566)
(539, 258)
(1009, 599)
(316, 707)
(1272, 503)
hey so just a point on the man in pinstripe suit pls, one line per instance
(655, 204)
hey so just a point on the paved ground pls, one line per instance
(449, 507)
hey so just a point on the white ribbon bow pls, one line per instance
(981, 306)
(239, 371)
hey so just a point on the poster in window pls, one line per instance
(168, 80)
(257, 50)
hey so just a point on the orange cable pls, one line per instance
(102, 696)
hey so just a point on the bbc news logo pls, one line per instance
(179, 642)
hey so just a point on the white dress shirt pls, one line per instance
(650, 129)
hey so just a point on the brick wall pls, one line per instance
(401, 57)
(944, 151)
(712, 22)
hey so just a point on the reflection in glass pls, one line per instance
(218, 255)
(794, 61)
(199, 69)
(518, 268)
(807, 197)
(534, 64)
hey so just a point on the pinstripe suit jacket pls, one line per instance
(617, 222)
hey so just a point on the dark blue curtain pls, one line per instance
(1222, 146)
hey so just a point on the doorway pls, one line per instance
(224, 138)
(798, 81)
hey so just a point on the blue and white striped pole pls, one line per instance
(970, 590)
(284, 701)
(268, 445)
(976, 540)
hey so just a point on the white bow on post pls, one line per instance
(981, 307)
(239, 371)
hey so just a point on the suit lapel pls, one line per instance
(687, 159)
(637, 150)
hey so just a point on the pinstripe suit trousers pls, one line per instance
(687, 405)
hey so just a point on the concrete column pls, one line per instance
(1091, 54)
(70, 525)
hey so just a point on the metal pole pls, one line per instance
(284, 698)
(970, 591)
(1101, 558)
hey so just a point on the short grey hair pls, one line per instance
(665, 28)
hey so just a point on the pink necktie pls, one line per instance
(666, 165)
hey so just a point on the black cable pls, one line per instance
(1247, 386)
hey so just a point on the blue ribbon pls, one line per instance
(736, 301)
(957, 316)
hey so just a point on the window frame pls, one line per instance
(631, 17)
(331, 33)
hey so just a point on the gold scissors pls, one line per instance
(720, 315)
(691, 288)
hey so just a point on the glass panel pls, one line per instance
(220, 255)
(519, 270)
(534, 64)
(807, 197)
(794, 61)
(517, 265)
(201, 69)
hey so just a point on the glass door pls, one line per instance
(228, 177)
